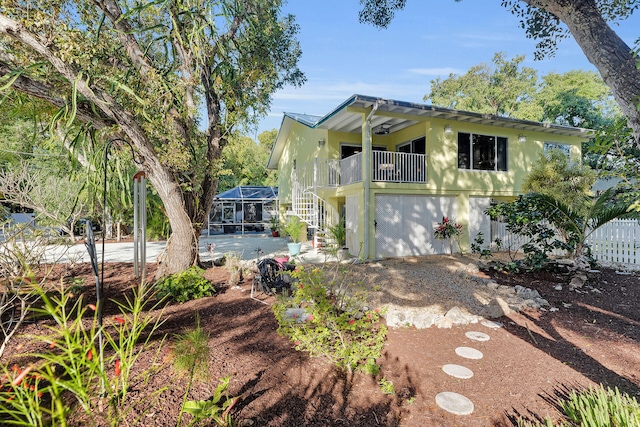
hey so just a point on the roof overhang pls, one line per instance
(391, 116)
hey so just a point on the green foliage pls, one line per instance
(191, 354)
(71, 370)
(339, 234)
(216, 408)
(551, 224)
(175, 79)
(245, 162)
(556, 175)
(504, 89)
(596, 407)
(185, 286)
(476, 247)
(386, 386)
(294, 228)
(338, 326)
(523, 217)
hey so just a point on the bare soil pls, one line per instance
(592, 338)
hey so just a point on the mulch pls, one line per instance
(592, 338)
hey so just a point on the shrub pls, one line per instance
(596, 407)
(337, 325)
(448, 230)
(185, 286)
(73, 369)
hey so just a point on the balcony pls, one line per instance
(386, 166)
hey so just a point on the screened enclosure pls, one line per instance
(243, 209)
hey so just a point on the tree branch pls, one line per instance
(125, 33)
(49, 94)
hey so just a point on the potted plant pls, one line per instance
(294, 229)
(339, 235)
(275, 224)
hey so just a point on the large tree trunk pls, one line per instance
(604, 49)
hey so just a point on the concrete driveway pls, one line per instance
(246, 246)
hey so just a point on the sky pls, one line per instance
(426, 40)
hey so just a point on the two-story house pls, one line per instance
(390, 170)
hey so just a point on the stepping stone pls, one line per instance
(477, 336)
(457, 371)
(454, 403)
(491, 324)
(469, 353)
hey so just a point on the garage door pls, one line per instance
(404, 224)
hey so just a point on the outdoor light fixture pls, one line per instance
(522, 138)
(448, 130)
(321, 142)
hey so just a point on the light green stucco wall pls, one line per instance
(302, 146)
(443, 175)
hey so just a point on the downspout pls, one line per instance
(367, 176)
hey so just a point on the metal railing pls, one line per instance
(386, 166)
(392, 166)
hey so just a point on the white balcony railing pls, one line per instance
(387, 166)
(391, 166)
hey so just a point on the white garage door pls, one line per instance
(479, 222)
(404, 224)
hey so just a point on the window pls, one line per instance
(348, 150)
(482, 152)
(416, 146)
(565, 148)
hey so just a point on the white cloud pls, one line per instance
(443, 71)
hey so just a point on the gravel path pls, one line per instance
(437, 286)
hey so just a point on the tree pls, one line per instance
(504, 89)
(146, 73)
(551, 20)
(576, 98)
(555, 175)
(245, 162)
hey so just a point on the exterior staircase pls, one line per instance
(307, 205)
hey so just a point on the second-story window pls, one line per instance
(482, 152)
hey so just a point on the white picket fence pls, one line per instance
(617, 241)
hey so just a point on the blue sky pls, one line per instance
(428, 39)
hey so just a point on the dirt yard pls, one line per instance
(590, 336)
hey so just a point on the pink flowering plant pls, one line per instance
(335, 322)
(448, 230)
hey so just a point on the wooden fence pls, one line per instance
(617, 241)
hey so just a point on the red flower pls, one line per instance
(351, 322)
(52, 345)
(117, 368)
(119, 320)
(17, 380)
(301, 286)
(92, 307)
(310, 318)
(90, 354)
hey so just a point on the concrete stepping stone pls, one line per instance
(477, 336)
(469, 353)
(454, 403)
(457, 371)
(491, 324)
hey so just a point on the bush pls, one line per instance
(336, 324)
(185, 286)
(598, 407)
